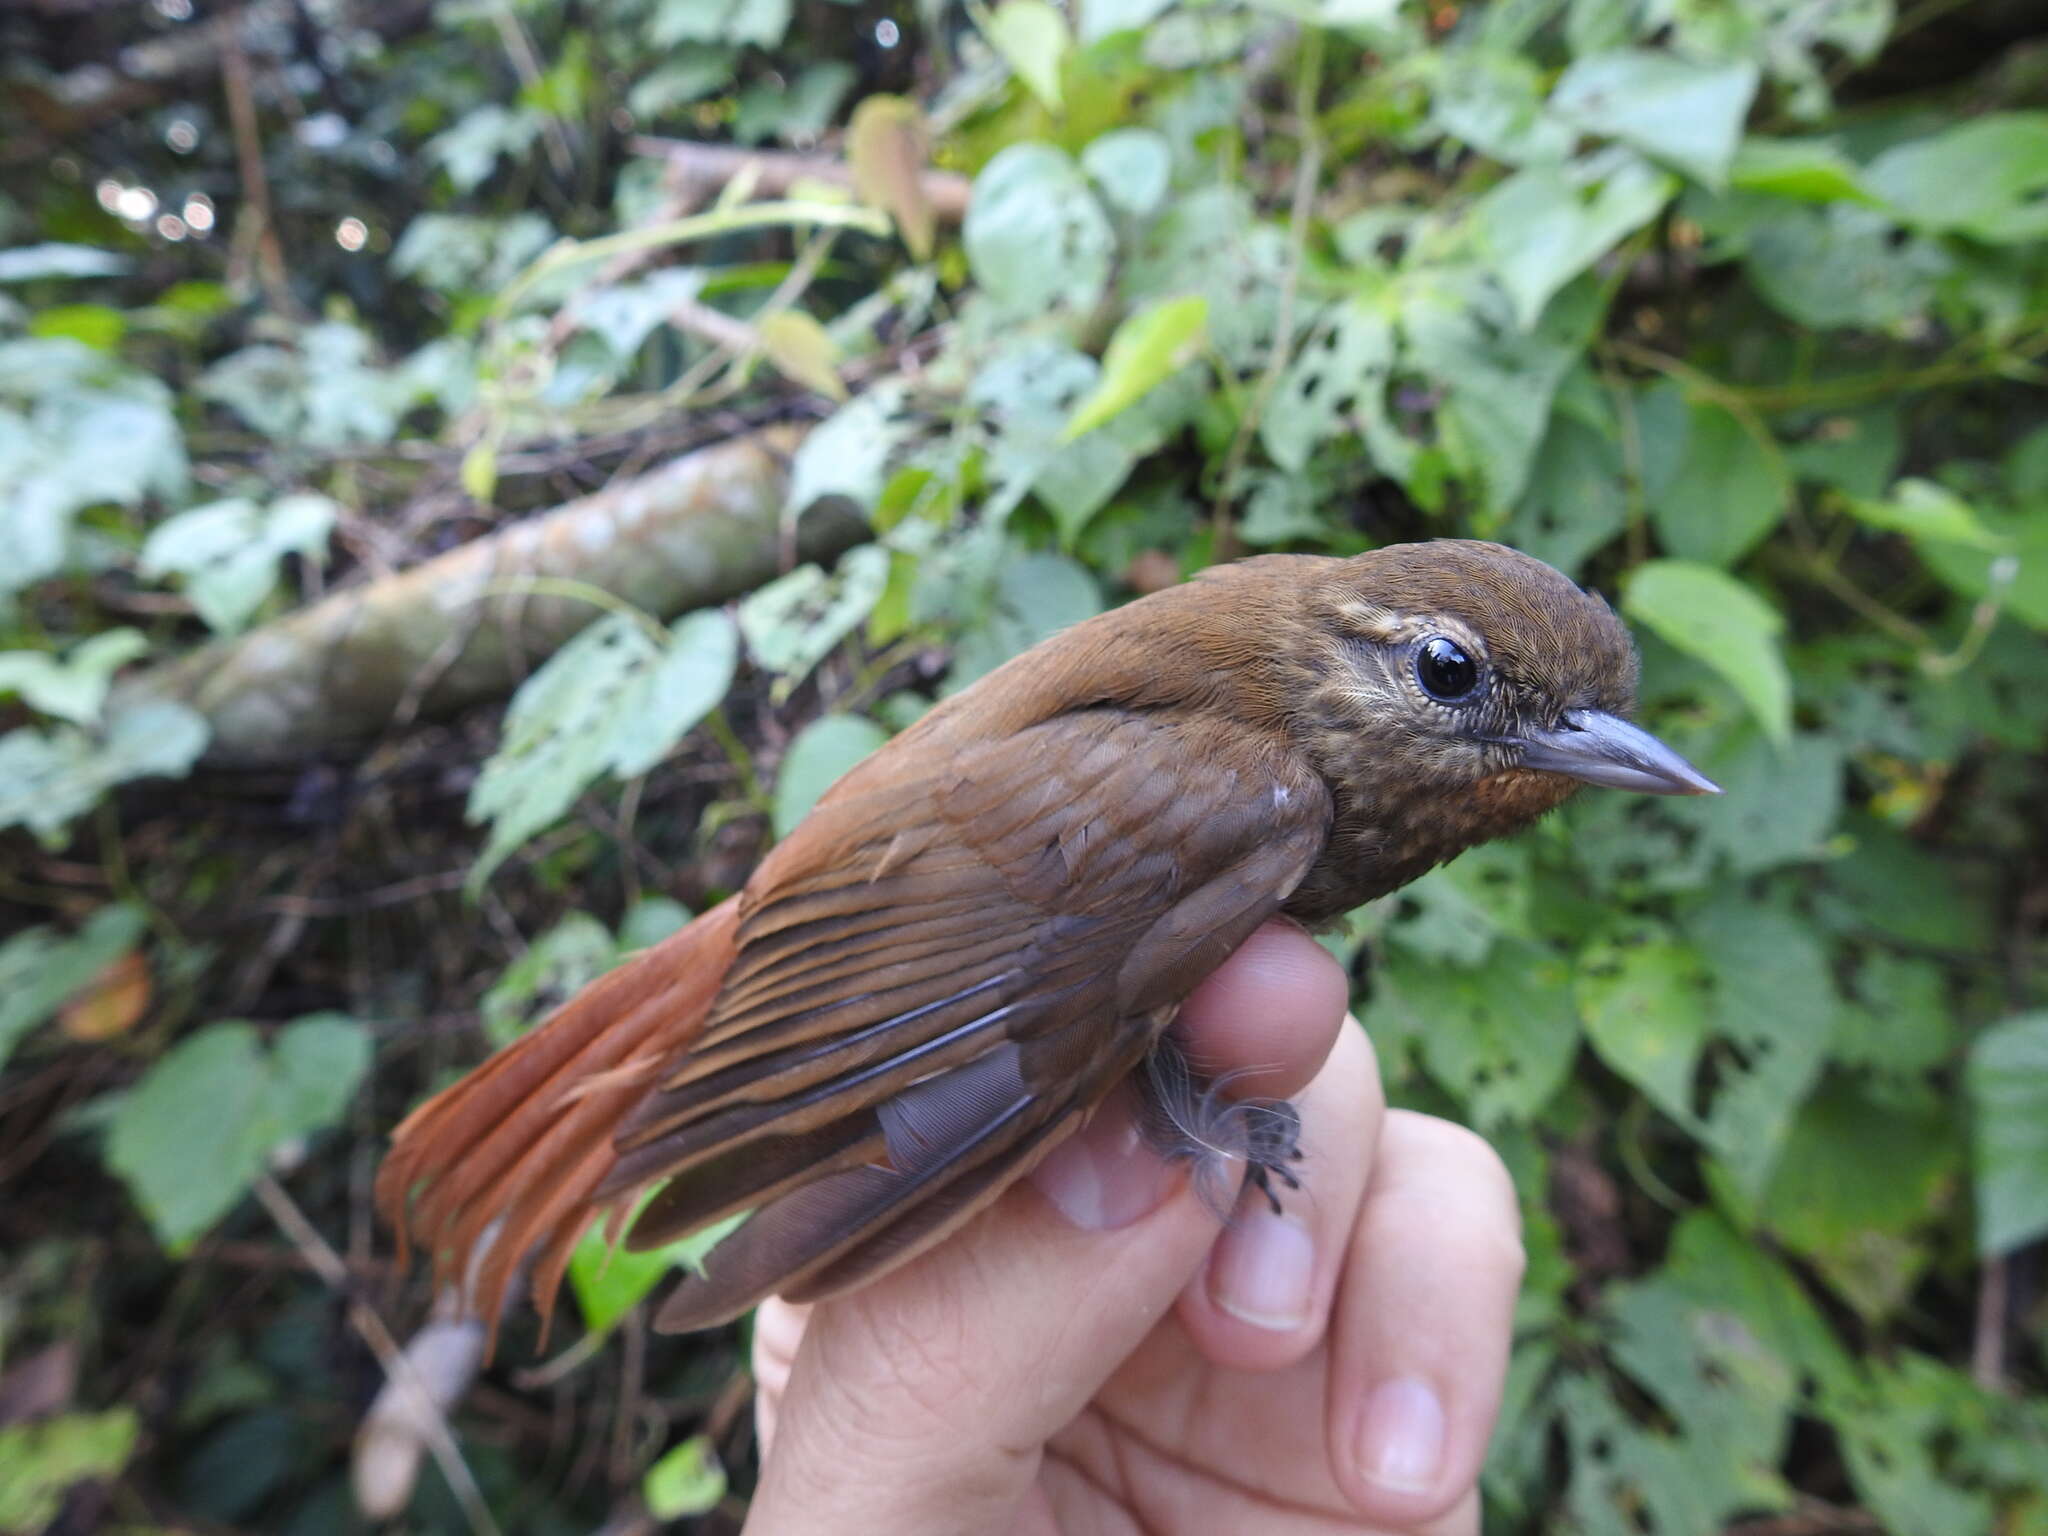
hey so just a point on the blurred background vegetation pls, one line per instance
(471, 473)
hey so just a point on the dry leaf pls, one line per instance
(888, 147)
(109, 1004)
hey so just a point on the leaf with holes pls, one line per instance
(1772, 1010)
(49, 777)
(1576, 500)
(1212, 243)
(848, 453)
(792, 623)
(1642, 996)
(1025, 394)
(1500, 1036)
(1035, 235)
(1336, 384)
(615, 699)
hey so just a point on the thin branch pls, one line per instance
(779, 170)
(327, 1264)
(234, 76)
(1307, 170)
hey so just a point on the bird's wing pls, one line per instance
(936, 980)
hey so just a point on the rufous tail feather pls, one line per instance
(509, 1159)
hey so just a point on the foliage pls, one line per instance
(1699, 302)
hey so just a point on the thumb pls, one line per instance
(921, 1403)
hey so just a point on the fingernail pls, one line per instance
(1104, 1176)
(1401, 1442)
(1262, 1269)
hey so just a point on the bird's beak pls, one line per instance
(1599, 748)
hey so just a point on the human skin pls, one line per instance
(1098, 1354)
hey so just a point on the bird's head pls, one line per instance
(1479, 679)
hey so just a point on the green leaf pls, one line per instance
(40, 968)
(1211, 242)
(47, 778)
(1689, 116)
(1148, 345)
(1545, 225)
(1921, 509)
(1987, 178)
(1802, 170)
(1773, 1010)
(1036, 238)
(40, 1461)
(802, 350)
(1856, 1180)
(1035, 596)
(1843, 266)
(227, 552)
(1025, 394)
(1710, 615)
(2008, 1082)
(1492, 100)
(1724, 494)
(1576, 500)
(614, 699)
(187, 1170)
(1779, 801)
(687, 1480)
(1032, 36)
(555, 967)
(33, 263)
(792, 623)
(1338, 378)
(1458, 912)
(1132, 166)
(75, 688)
(1643, 1001)
(819, 757)
(1500, 379)
(610, 1279)
(1500, 1036)
(760, 22)
(848, 453)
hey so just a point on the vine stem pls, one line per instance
(1308, 84)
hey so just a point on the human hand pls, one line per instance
(1096, 1353)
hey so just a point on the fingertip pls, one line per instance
(1269, 1013)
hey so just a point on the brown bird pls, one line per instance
(984, 926)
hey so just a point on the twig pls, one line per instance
(234, 77)
(1987, 1347)
(526, 65)
(327, 1264)
(1308, 82)
(779, 170)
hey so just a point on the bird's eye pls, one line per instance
(1446, 673)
